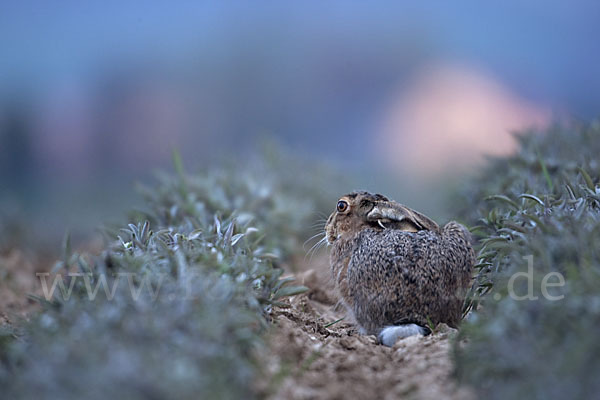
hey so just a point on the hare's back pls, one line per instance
(413, 255)
(398, 276)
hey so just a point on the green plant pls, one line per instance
(536, 214)
(175, 305)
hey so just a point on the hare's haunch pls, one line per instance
(396, 270)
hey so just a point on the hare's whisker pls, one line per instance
(312, 248)
(318, 226)
(315, 248)
(318, 230)
(311, 238)
(322, 244)
(321, 214)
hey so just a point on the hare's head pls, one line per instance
(359, 210)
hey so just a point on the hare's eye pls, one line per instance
(342, 206)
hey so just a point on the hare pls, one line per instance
(396, 270)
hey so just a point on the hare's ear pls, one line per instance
(397, 213)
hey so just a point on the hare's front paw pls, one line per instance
(391, 334)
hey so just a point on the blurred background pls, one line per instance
(96, 95)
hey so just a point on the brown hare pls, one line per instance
(396, 270)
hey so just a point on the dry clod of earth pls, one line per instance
(311, 358)
(17, 280)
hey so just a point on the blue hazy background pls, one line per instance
(96, 95)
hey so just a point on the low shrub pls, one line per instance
(537, 217)
(175, 305)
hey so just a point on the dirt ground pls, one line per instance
(17, 280)
(312, 356)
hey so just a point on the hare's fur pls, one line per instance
(396, 271)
